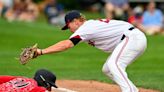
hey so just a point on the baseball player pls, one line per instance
(119, 38)
(44, 81)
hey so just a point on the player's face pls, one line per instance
(73, 26)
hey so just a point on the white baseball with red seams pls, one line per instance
(106, 35)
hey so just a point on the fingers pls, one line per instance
(37, 53)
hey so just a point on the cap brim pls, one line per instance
(65, 27)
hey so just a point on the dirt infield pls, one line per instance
(92, 86)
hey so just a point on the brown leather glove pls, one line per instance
(28, 53)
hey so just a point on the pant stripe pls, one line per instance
(127, 39)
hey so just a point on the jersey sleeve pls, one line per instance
(4, 79)
(82, 36)
(75, 40)
(82, 33)
(85, 32)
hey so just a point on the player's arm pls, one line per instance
(58, 47)
(61, 46)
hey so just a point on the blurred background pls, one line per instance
(147, 15)
(26, 22)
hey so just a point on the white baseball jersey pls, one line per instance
(103, 34)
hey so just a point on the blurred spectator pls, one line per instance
(22, 10)
(152, 19)
(5, 5)
(54, 12)
(135, 16)
(116, 9)
(1, 7)
(31, 12)
(14, 12)
(91, 5)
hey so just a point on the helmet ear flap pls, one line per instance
(45, 83)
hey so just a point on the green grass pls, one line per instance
(81, 62)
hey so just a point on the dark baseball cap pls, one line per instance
(45, 78)
(70, 16)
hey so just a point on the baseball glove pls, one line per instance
(27, 54)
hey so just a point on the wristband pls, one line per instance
(41, 53)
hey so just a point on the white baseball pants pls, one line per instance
(125, 53)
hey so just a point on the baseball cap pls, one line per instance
(70, 16)
(45, 78)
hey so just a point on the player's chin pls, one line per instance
(72, 30)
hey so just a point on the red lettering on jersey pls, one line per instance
(92, 43)
(104, 20)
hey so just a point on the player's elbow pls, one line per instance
(67, 44)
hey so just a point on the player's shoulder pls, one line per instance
(86, 26)
(87, 23)
(96, 22)
(83, 29)
(6, 78)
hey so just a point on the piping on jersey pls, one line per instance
(127, 39)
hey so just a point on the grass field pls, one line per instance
(82, 62)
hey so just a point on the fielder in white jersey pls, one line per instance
(119, 38)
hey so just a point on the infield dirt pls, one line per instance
(93, 86)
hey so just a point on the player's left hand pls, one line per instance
(29, 53)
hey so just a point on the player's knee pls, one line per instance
(105, 69)
(112, 67)
(108, 67)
